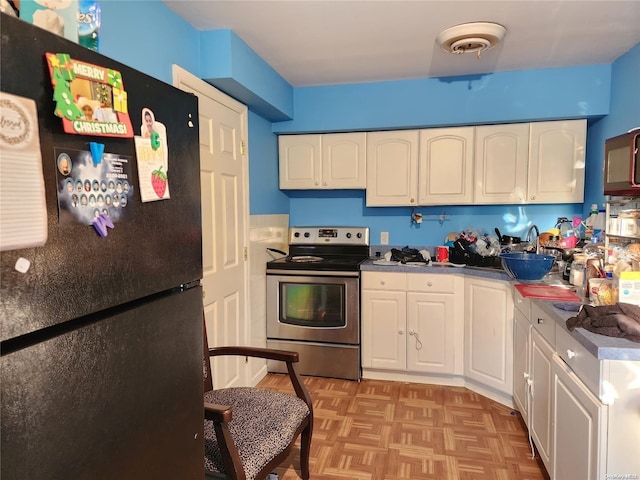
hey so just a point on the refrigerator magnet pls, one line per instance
(23, 208)
(90, 99)
(153, 158)
(87, 189)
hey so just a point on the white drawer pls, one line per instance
(585, 365)
(523, 304)
(424, 282)
(543, 324)
(384, 281)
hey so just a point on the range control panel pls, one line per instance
(329, 236)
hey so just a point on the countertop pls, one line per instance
(601, 346)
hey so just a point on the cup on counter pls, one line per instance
(442, 254)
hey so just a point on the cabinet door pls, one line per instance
(489, 333)
(430, 333)
(521, 335)
(344, 160)
(501, 158)
(541, 396)
(446, 166)
(383, 329)
(556, 162)
(392, 168)
(579, 431)
(300, 161)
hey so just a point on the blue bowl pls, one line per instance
(526, 266)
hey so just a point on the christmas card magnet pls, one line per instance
(90, 99)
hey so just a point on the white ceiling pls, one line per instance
(336, 42)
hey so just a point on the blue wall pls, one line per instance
(625, 115)
(148, 36)
(504, 97)
(263, 155)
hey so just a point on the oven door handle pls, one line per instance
(277, 251)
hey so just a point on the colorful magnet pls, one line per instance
(97, 152)
(100, 223)
(155, 140)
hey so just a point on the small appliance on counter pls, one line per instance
(622, 164)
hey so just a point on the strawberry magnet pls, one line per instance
(152, 153)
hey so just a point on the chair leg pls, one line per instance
(305, 448)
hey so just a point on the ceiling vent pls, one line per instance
(473, 37)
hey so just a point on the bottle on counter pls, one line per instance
(590, 221)
(577, 273)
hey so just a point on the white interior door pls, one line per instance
(224, 183)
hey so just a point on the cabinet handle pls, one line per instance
(540, 321)
(570, 353)
(418, 342)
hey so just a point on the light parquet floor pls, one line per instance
(380, 430)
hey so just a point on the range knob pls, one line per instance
(359, 235)
(348, 235)
(297, 234)
(306, 235)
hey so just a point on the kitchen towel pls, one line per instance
(619, 320)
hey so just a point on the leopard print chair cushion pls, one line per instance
(263, 424)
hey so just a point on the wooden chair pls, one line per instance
(249, 431)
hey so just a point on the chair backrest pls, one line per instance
(206, 362)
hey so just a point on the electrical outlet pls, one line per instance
(384, 238)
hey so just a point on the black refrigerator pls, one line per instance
(101, 335)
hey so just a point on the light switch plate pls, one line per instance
(384, 238)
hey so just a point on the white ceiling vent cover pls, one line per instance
(471, 37)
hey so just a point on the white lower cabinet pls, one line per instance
(582, 412)
(410, 323)
(438, 328)
(384, 315)
(541, 390)
(488, 335)
(579, 428)
(521, 334)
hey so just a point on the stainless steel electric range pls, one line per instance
(313, 300)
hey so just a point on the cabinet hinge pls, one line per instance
(243, 148)
(245, 254)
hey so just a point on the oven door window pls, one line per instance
(312, 304)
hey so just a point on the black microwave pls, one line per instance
(622, 164)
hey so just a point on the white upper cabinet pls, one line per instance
(392, 168)
(323, 161)
(344, 160)
(501, 159)
(540, 162)
(556, 162)
(446, 166)
(300, 161)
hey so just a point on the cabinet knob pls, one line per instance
(429, 284)
(412, 200)
(540, 321)
(382, 282)
(532, 197)
(400, 332)
(317, 183)
(570, 353)
(325, 184)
